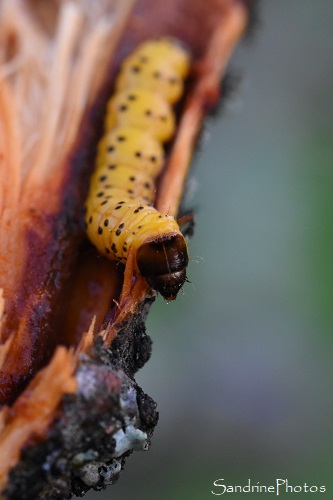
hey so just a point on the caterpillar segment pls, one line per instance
(121, 220)
(144, 109)
(131, 146)
(166, 49)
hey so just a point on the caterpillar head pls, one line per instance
(162, 261)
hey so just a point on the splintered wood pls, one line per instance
(203, 97)
(53, 63)
(47, 82)
(31, 414)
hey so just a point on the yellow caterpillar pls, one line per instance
(119, 214)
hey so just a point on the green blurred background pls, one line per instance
(242, 361)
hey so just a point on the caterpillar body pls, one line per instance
(119, 212)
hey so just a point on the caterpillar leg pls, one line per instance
(187, 224)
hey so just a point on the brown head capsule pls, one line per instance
(162, 261)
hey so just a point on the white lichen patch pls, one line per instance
(130, 439)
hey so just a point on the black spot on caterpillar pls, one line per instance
(119, 212)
